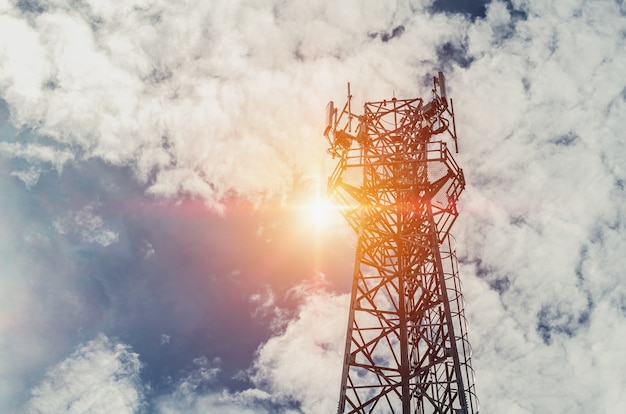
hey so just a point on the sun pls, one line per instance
(313, 212)
(320, 211)
(316, 210)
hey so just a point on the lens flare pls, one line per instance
(320, 211)
(317, 210)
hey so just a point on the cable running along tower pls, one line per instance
(397, 185)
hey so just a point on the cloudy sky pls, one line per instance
(157, 161)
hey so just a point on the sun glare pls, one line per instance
(316, 210)
(320, 211)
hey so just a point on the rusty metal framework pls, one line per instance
(397, 186)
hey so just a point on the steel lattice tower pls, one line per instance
(397, 186)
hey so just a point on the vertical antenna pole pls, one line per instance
(456, 142)
(349, 109)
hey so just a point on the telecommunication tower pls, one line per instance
(397, 185)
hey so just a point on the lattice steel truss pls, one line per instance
(406, 345)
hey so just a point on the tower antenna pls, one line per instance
(397, 184)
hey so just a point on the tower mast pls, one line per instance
(397, 185)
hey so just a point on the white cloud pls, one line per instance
(195, 393)
(266, 306)
(189, 94)
(86, 226)
(296, 371)
(101, 376)
(304, 362)
(148, 250)
(36, 154)
(250, 401)
(206, 372)
(28, 177)
(24, 67)
(542, 156)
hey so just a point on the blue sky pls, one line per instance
(156, 161)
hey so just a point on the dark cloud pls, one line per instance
(552, 321)
(450, 53)
(567, 139)
(386, 36)
(473, 8)
(31, 6)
